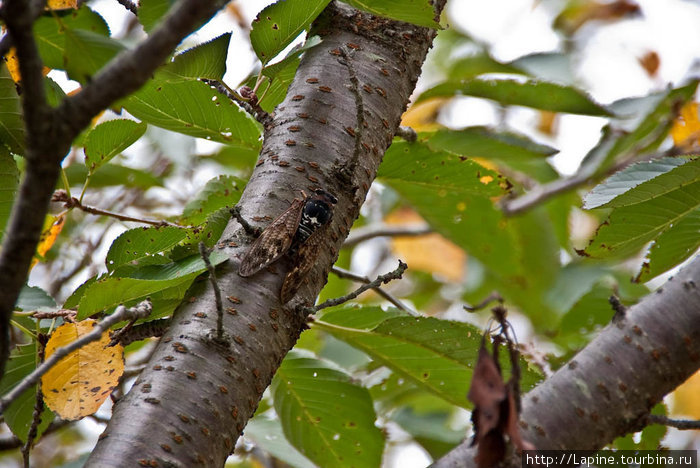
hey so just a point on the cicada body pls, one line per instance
(296, 233)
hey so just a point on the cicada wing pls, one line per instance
(305, 260)
(274, 241)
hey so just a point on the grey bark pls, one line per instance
(608, 388)
(191, 403)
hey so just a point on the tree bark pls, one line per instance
(191, 403)
(608, 388)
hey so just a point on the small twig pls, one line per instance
(129, 5)
(154, 328)
(71, 202)
(36, 415)
(384, 230)
(13, 442)
(618, 307)
(140, 310)
(51, 314)
(217, 292)
(407, 133)
(682, 424)
(99, 419)
(249, 103)
(494, 296)
(342, 273)
(381, 279)
(247, 227)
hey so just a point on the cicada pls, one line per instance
(296, 233)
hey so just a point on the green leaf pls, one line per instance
(277, 25)
(51, 29)
(109, 139)
(531, 93)
(142, 282)
(417, 164)
(87, 52)
(9, 181)
(479, 64)
(34, 298)
(327, 417)
(437, 355)
(645, 121)
(448, 192)
(138, 244)
(505, 148)
(11, 120)
(18, 416)
(152, 11)
(642, 181)
(420, 12)
(267, 434)
(433, 431)
(629, 228)
(54, 92)
(207, 60)
(209, 232)
(573, 282)
(220, 192)
(195, 109)
(672, 247)
(111, 174)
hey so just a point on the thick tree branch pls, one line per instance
(608, 389)
(306, 146)
(49, 133)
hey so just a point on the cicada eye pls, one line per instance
(332, 199)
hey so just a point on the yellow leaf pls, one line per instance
(431, 252)
(685, 398)
(13, 65)
(685, 130)
(81, 381)
(52, 228)
(61, 4)
(422, 117)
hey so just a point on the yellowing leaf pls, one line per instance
(61, 4)
(422, 117)
(686, 128)
(431, 252)
(13, 65)
(685, 398)
(81, 381)
(52, 228)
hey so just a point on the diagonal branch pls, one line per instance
(608, 389)
(51, 132)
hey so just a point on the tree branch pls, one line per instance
(342, 273)
(49, 133)
(684, 425)
(141, 310)
(608, 388)
(381, 279)
(385, 230)
(72, 202)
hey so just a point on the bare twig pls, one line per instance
(494, 296)
(682, 424)
(407, 133)
(51, 314)
(248, 104)
(342, 273)
(247, 227)
(381, 279)
(384, 230)
(72, 202)
(204, 252)
(142, 331)
(618, 307)
(129, 5)
(36, 415)
(140, 310)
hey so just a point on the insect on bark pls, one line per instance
(297, 233)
